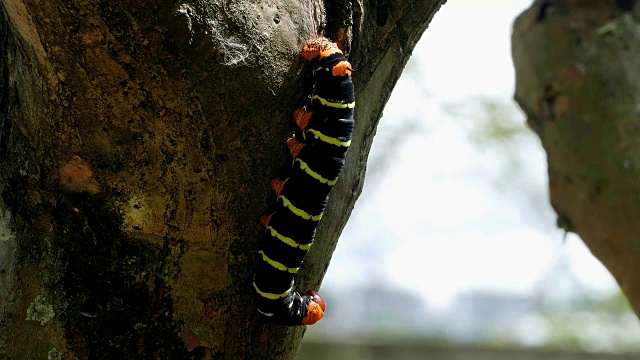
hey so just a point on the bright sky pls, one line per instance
(435, 221)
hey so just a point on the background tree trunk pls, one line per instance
(578, 80)
(137, 141)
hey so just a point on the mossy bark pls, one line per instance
(578, 79)
(137, 140)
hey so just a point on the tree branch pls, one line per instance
(577, 79)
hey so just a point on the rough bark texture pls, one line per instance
(578, 79)
(137, 140)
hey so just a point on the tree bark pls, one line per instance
(578, 80)
(137, 141)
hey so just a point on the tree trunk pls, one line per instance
(137, 141)
(578, 80)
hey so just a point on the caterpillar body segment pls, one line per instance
(318, 153)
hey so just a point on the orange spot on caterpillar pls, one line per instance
(294, 146)
(277, 185)
(265, 219)
(302, 117)
(315, 309)
(343, 68)
(319, 47)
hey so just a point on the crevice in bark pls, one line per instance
(340, 22)
(383, 8)
(626, 5)
(545, 5)
(5, 123)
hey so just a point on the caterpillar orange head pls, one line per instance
(318, 47)
(315, 309)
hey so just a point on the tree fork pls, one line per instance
(137, 143)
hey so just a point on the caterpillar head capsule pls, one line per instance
(319, 47)
(315, 309)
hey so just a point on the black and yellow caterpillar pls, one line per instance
(318, 153)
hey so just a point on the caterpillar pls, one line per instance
(318, 150)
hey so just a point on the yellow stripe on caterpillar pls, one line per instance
(287, 240)
(264, 313)
(337, 105)
(328, 139)
(276, 264)
(271, 296)
(304, 166)
(297, 211)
